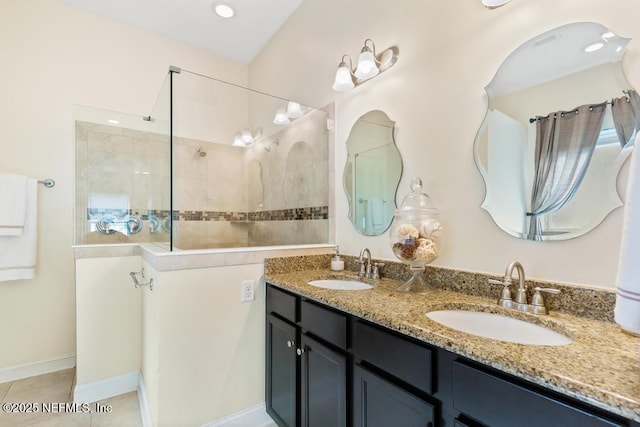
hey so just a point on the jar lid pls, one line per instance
(416, 200)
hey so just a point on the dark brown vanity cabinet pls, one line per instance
(378, 402)
(282, 371)
(326, 368)
(306, 362)
(323, 385)
(392, 379)
(495, 399)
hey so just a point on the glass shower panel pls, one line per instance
(155, 179)
(122, 175)
(249, 169)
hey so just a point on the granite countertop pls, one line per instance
(599, 367)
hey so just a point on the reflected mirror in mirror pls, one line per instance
(559, 126)
(372, 173)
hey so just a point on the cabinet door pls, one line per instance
(498, 402)
(379, 403)
(323, 385)
(281, 372)
(395, 355)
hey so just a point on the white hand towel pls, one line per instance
(376, 207)
(18, 253)
(627, 311)
(13, 204)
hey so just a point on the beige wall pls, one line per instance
(54, 56)
(203, 351)
(449, 51)
(109, 323)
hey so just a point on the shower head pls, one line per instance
(201, 152)
(267, 148)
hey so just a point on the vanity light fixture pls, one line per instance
(284, 116)
(294, 110)
(344, 77)
(246, 138)
(281, 117)
(369, 66)
(237, 141)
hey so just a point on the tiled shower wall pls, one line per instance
(217, 201)
(295, 174)
(120, 172)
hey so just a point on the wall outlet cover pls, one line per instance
(248, 291)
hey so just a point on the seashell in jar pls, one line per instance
(430, 227)
(406, 248)
(408, 230)
(427, 250)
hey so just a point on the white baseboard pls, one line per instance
(106, 388)
(13, 373)
(145, 411)
(255, 416)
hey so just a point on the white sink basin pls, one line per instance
(341, 285)
(498, 327)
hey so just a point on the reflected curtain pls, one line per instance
(626, 115)
(564, 145)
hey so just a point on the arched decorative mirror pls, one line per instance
(372, 173)
(560, 124)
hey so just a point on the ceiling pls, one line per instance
(193, 22)
(556, 53)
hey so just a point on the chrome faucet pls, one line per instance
(365, 265)
(537, 302)
(521, 296)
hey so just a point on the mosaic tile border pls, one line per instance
(293, 214)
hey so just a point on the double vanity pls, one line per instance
(379, 357)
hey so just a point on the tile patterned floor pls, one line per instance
(49, 393)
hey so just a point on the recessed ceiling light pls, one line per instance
(223, 10)
(593, 47)
(113, 122)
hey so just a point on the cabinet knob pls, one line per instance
(300, 351)
(290, 343)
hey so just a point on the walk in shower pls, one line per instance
(214, 165)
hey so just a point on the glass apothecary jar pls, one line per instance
(415, 236)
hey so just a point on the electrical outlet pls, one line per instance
(248, 291)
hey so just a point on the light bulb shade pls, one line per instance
(237, 141)
(246, 137)
(343, 81)
(281, 117)
(294, 110)
(367, 67)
